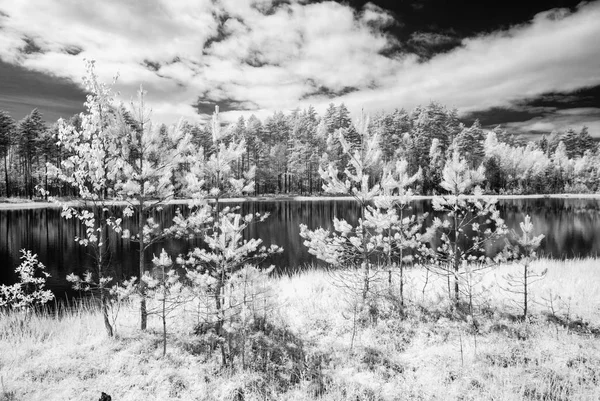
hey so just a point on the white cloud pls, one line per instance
(275, 59)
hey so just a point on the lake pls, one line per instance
(571, 227)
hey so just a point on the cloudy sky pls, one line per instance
(531, 66)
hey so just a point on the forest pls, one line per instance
(287, 151)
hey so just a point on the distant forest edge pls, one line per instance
(289, 150)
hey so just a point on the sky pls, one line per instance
(531, 66)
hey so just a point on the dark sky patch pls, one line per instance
(30, 47)
(498, 115)
(270, 9)
(256, 59)
(465, 18)
(323, 91)
(23, 90)
(206, 106)
(73, 50)
(540, 106)
(587, 97)
(151, 65)
(428, 44)
(222, 32)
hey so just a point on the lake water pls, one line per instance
(571, 227)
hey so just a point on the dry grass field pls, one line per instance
(319, 347)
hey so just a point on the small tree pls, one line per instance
(92, 168)
(149, 155)
(347, 244)
(221, 229)
(228, 252)
(469, 222)
(166, 289)
(400, 228)
(29, 290)
(524, 252)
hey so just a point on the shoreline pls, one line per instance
(27, 204)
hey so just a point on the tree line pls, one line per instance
(287, 151)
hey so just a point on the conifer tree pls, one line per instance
(31, 128)
(398, 227)
(148, 158)
(468, 223)
(8, 128)
(523, 249)
(220, 228)
(470, 144)
(349, 245)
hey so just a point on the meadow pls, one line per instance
(310, 343)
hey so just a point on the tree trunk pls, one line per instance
(104, 307)
(143, 310)
(46, 177)
(525, 295)
(101, 262)
(456, 261)
(6, 175)
(365, 259)
(164, 316)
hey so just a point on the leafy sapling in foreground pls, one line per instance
(29, 291)
(92, 170)
(524, 249)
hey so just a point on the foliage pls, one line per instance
(524, 252)
(349, 245)
(8, 128)
(165, 288)
(287, 150)
(213, 268)
(31, 129)
(29, 291)
(92, 169)
(149, 156)
(467, 224)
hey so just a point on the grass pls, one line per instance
(428, 351)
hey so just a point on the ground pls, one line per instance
(319, 347)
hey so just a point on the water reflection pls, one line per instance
(571, 227)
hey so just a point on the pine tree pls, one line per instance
(348, 245)
(524, 251)
(276, 132)
(149, 155)
(255, 149)
(470, 144)
(468, 223)
(570, 140)
(8, 128)
(226, 251)
(584, 142)
(31, 128)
